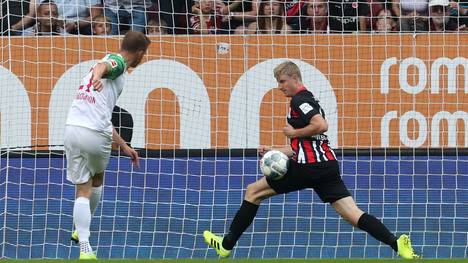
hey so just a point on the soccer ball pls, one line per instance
(274, 164)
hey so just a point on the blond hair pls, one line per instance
(99, 19)
(287, 68)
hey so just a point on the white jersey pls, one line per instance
(93, 109)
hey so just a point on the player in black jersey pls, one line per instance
(312, 164)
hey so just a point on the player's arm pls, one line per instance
(129, 151)
(317, 125)
(99, 70)
(309, 112)
(111, 67)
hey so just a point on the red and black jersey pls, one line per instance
(293, 7)
(312, 149)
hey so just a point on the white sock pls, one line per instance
(95, 198)
(82, 218)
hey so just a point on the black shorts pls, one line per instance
(323, 177)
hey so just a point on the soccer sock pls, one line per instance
(82, 218)
(378, 230)
(244, 217)
(95, 198)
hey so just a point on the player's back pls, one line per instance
(93, 109)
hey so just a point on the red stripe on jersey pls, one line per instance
(309, 152)
(294, 114)
(295, 147)
(328, 151)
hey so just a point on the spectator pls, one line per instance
(206, 21)
(459, 11)
(439, 16)
(348, 15)
(293, 12)
(229, 10)
(412, 14)
(316, 17)
(76, 14)
(131, 13)
(101, 26)
(463, 14)
(48, 23)
(156, 27)
(271, 19)
(12, 13)
(384, 22)
(174, 13)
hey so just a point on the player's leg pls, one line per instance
(94, 199)
(255, 194)
(82, 218)
(80, 176)
(96, 192)
(295, 179)
(87, 155)
(331, 189)
(348, 210)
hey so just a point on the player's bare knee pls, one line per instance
(352, 217)
(253, 194)
(83, 192)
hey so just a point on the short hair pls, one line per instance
(46, 2)
(100, 19)
(287, 68)
(156, 23)
(135, 41)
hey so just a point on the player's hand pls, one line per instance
(97, 84)
(263, 149)
(98, 71)
(130, 152)
(289, 131)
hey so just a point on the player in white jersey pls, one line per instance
(89, 131)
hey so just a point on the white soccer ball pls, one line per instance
(274, 164)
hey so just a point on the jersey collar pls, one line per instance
(302, 88)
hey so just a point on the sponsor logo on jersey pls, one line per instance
(305, 107)
(113, 63)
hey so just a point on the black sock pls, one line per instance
(244, 217)
(378, 230)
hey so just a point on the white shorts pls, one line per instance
(87, 152)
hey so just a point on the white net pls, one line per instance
(199, 106)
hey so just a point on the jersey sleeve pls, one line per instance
(306, 106)
(116, 66)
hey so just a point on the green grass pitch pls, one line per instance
(259, 261)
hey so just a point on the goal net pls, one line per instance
(199, 106)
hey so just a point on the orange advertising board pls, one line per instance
(384, 90)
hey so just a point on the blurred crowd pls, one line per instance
(114, 17)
